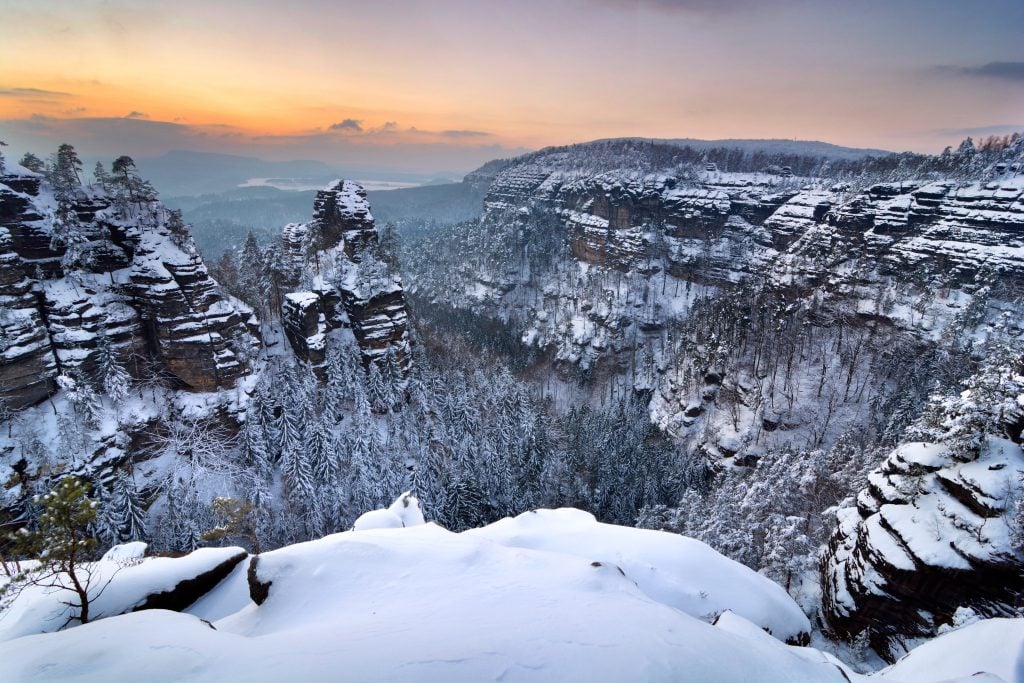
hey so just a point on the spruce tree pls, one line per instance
(129, 509)
(32, 163)
(110, 374)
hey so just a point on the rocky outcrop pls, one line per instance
(136, 281)
(187, 590)
(930, 534)
(199, 334)
(349, 285)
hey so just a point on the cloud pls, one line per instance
(686, 6)
(383, 148)
(32, 93)
(996, 129)
(1004, 71)
(352, 125)
(464, 134)
(136, 115)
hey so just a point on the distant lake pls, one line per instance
(305, 184)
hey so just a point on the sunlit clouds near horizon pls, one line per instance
(444, 86)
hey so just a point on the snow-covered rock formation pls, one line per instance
(125, 273)
(938, 527)
(335, 277)
(930, 535)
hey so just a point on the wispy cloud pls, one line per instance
(464, 134)
(1004, 71)
(32, 93)
(348, 125)
(136, 115)
(687, 6)
(995, 129)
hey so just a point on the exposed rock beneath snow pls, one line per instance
(188, 591)
(930, 534)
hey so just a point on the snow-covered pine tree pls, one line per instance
(129, 510)
(376, 391)
(110, 374)
(82, 396)
(107, 525)
(100, 175)
(988, 406)
(323, 461)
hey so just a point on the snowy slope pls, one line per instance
(418, 603)
(994, 646)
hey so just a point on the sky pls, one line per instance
(444, 85)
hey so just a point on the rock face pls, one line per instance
(27, 363)
(336, 256)
(590, 259)
(137, 282)
(930, 534)
(953, 230)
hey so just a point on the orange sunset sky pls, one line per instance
(448, 84)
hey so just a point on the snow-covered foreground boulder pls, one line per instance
(522, 600)
(405, 511)
(994, 647)
(135, 583)
(674, 570)
(417, 604)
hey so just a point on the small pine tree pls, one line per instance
(82, 397)
(64, 171)
(100, 175)
(63, 544)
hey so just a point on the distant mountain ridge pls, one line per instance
(185, 172)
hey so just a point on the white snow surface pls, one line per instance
(520, 600)
(992, 646)
(681, 572)
(126, 552)
(417, 604)
(405, 511)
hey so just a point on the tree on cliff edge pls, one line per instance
(63, 543)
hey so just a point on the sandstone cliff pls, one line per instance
(135, 280)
